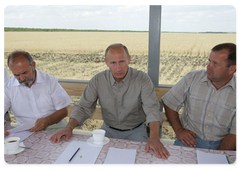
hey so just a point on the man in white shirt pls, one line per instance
(34, 97)
(6, 75)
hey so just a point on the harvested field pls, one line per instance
(80, 55)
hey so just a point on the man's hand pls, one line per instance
(154, 141)
(6, 133)
(158, 148)
(67, 132)
(187, 137)
(40, 124)
(56, 117)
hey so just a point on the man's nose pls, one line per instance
(119, 67)
(209, 65)
(21, 78)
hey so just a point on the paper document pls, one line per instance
(210, 158)
(120, 156)
(86, 155)
(21, 131)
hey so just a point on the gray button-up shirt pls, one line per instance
(124, 105)
(208, 112)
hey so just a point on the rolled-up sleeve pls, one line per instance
(87, 103)
(176, 96)
(233, 126)
(150, 101)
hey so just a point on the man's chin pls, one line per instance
(27, 83)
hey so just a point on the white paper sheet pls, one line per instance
(21, 131)
(21, 128)
(86, 155)
(210, 158)
(120, 156)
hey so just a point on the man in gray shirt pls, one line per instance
(127, 100)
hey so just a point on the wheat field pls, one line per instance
(80, 55)
(68, 55)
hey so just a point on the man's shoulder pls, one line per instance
(196, 74)
(137, 73)
(10, 82)
(45, 76)
(102, 74)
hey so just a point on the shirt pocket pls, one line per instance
(195, 106)
(224, 115)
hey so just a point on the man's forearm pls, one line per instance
(228, 143)
(72, 123)
(173, 118)
(57, 116)
(154, 130)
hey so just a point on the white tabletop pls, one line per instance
(44, 152)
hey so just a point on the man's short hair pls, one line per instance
(16, 54)
(231, 49)
(117, 45)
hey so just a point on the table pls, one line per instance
(44, 152)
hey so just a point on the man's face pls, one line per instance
(117, 61)
(217, 70)
(22, 71)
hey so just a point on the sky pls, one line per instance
(175, 18)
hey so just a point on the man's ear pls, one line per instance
(129, 59)
(34, 65)
(232, 69)
(106, 61)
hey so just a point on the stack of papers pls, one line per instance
(210, 158)
(21, 131)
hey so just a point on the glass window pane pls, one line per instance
(188, 34)
(77, 55)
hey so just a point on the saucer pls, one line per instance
(91, 141)
(6, 152)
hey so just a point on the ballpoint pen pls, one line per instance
(73, 155)
(228, 160)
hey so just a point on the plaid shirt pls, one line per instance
(208, 112)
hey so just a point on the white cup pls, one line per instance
(98, 136)
(12, 143)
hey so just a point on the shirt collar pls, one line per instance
(125, 80)
(39, 79)
(231, 83)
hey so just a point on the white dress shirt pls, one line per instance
(6, 75)
(44, 98)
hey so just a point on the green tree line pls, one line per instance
(6, 29)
